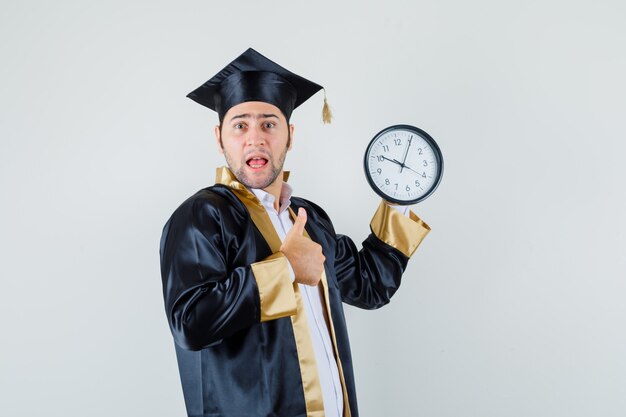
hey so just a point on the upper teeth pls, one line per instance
(256, 158)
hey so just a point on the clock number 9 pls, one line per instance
(380, 171)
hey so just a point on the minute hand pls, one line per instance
(406, 153)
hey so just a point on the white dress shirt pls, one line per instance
(327, 369)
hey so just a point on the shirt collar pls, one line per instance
(224, 176)
(267, 199)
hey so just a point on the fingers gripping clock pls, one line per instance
(403, 164)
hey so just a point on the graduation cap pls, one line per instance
(253, 77)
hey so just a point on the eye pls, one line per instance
(239, 126)
(269, 125)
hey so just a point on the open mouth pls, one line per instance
(256, 162)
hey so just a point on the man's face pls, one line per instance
(254, 138)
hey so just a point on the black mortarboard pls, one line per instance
(253, 77)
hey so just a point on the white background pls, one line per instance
(513, 305)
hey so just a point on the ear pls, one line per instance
(291, 128)
(218, 138)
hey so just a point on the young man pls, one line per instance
(253, 291)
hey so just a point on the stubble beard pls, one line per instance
(260, 183)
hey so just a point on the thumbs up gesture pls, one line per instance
(304, 255)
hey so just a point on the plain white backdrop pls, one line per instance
(513, 305)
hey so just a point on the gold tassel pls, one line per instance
(327, 115)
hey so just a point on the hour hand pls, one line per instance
(392, 160)
(402, 166)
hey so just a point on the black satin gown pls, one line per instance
(230, 363)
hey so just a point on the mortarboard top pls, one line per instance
(253, 77)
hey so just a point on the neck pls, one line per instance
(275, 189)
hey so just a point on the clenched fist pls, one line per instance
(304, 255)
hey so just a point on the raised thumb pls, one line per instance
(298, 225)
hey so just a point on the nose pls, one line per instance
(255, 136)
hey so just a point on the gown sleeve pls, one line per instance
(206, 299)
(369, 277)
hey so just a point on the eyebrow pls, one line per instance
(248, 115)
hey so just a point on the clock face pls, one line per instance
(403, 164)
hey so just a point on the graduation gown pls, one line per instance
(238, 321)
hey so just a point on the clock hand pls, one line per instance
(392, 160)
(406, 153)
(408, 167)
(402, 166)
